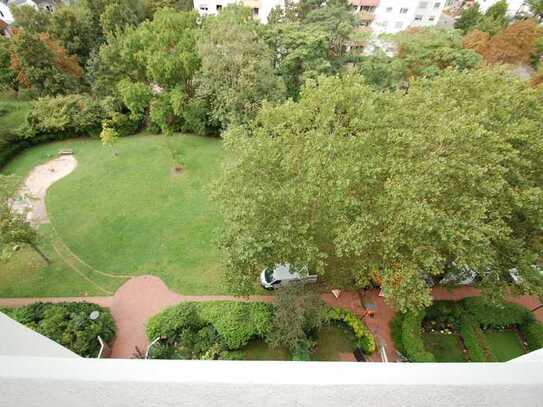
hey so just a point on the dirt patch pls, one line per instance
(31, 196)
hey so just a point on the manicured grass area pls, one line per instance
(128, 214)
(333, 340)
(445, 348)
(258, 349)
(505, 345)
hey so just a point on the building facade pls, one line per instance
(382, 16)
(392, 16)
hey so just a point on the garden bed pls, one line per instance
(238, 331)
(467, 330)
(70, 324)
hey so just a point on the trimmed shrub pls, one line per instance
(68, 324)
(494, 316)
(533, 332)
(207, 330)
(237, 322)
(172, 321)
(365, 338)
(412, 342)
(62, 117)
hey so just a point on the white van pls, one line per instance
(284, 274)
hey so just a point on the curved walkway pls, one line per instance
(31, 196)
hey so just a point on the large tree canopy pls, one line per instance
(363, 185)
(236, 73)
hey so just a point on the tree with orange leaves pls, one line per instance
(41, 64)
(516, 44)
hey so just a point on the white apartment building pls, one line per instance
(261, 8)
(392, 16)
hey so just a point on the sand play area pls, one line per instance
(31, 196)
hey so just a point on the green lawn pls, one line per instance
(332, 341)
(505, 345)
(445, 348)
(128, 215)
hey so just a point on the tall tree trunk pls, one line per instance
(42, 254)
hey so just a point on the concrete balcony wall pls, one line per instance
(29, 382)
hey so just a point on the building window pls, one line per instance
(437, 5)
(423, 4)
(255, 12)
(219, 7)
(418, 18)
(389, 9)
(1, 14)
(398, 25)
(203, 8)
(367, 9)
(432, 18)
(404, 10)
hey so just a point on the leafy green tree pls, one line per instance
(31, 19)
(310, 39)
(536, 7)
(14, 227)
(152, 6)
(390, 186)
(73, 28)
(151, 67)
(427, 52)
(236, 74)
(382, 72)
(495, 18)
(469, 18)
(7, 77)
(299, 311)
(39, 63)
(120, 14)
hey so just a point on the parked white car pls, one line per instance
(284, 274)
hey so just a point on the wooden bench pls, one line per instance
(66, 152)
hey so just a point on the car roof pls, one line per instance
(284, 271)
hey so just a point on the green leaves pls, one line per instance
(362, 185)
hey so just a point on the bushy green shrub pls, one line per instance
(207, 330)
(533, 332)
(237, 322)
(61, 117)
(396, 332)
(172, 321)
(364, 336)
(68, 324)
(494, 316)
(412, 341)
(123, 123)
(444, 312)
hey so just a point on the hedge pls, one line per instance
(365, 338)
(411, 334)
(496, 316)
(68, 324)
(474, 340)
